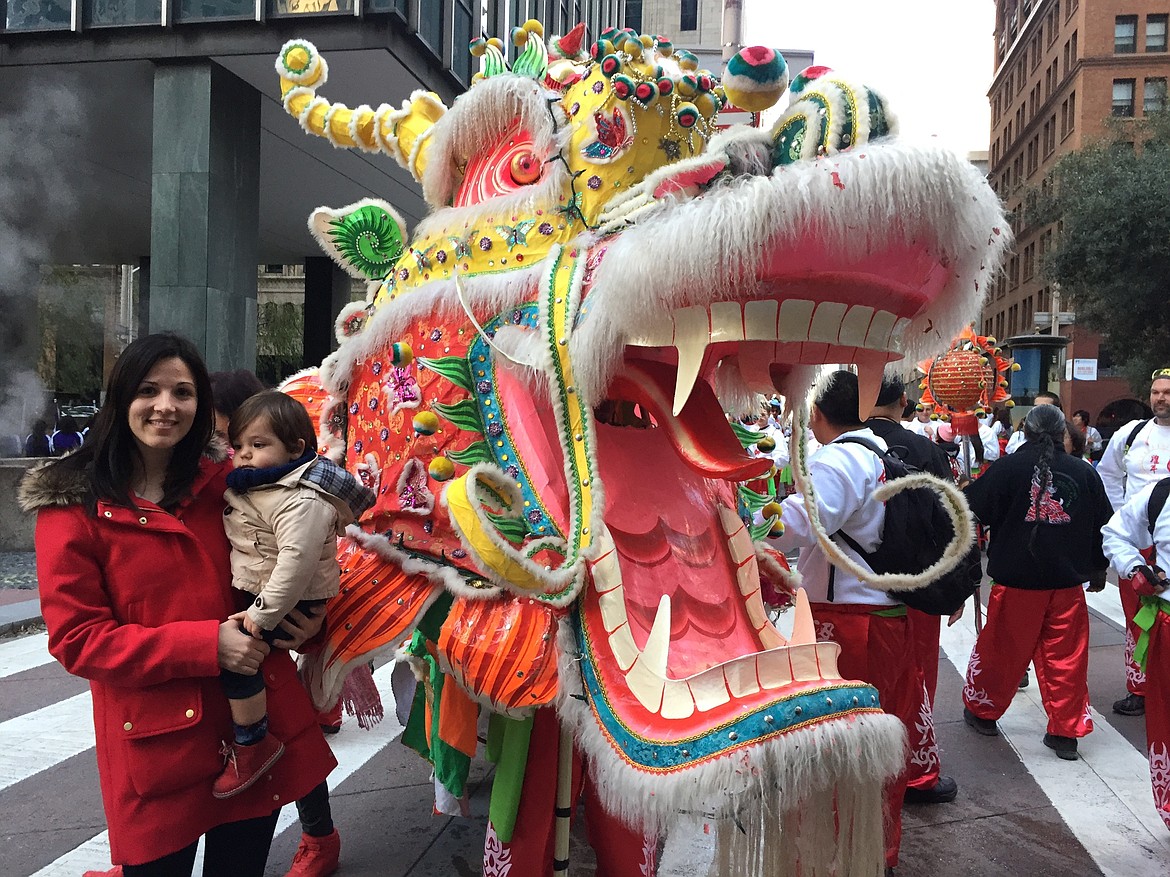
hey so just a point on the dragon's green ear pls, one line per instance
(366, 238)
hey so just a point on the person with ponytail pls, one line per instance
(1045, 508)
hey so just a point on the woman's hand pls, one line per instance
(239, 652)
(302, 627)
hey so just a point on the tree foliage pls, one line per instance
(1111, 254)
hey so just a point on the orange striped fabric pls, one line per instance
(502, 651)
(378, 605)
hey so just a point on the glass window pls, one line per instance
(211, 10)
(1156, 33)
(115, 13)
(1123, 97)
(689, 17)
(277, 8)
(1125, 34)
(1154, 94)
(37, 15)
(461, 58)
(398, 6)
(634, 14)
(430, 24)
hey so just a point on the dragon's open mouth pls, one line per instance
(673, 654)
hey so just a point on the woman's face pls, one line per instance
(164, 407)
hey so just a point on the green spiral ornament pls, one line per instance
(369, 239)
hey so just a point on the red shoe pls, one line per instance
(316, 856)
(116, 871)
(243, 765)
(330, 719)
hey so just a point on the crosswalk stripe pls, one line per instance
(1104, 797)
(36, 741)
(352, 747)
(24, 653)
(1107, 603)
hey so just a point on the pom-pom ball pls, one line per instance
(402, 354)
(426, 423)
(441, 469)
(687, 114)
(755, 78)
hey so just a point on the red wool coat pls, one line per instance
(133, 601)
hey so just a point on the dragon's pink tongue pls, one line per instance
(700, 433)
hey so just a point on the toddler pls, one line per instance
(286, 508)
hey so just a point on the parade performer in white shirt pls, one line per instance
(870, 626)
(1136, 536)
(1138, 455)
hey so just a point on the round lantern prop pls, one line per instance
(966, 380)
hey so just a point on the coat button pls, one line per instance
(190, 714)
(276, 797)
(128, 726)
(108, 514)
(142, 520)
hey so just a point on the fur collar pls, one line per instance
(49, 485)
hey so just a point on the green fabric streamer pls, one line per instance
(451, 766)
(1145, 618)
(508, 748)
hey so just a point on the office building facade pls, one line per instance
(1063, 68)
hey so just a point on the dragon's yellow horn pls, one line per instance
(401, 133)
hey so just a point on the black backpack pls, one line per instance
(1157, 502)
(915, 534)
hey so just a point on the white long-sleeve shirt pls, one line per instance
(844, 477)
(1147, 461)
(1127, 534)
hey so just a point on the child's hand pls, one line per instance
(252, 627)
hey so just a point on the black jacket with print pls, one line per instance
(1067, 545)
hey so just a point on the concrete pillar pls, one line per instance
(205, 210)
(326, 293)
(142, 317)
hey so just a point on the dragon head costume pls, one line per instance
(536, 389)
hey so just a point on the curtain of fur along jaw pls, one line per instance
(762, 841)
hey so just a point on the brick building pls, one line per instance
(1062, 68)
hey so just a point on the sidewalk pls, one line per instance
(20, 605)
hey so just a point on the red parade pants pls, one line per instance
(1135, 679)
(876, 649)
(1158, 711)
(925, 765)
(621, 851)
(1050, 628)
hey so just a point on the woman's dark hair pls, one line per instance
(110, 451)
(67, 424)
(40, 426)
(1076, 439)
(288, 418)
(230, 389)
(1003, 417)
(1083, 415)
(1045, 425)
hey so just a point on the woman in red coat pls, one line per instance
(135, 585)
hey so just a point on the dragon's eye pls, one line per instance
(525, 168)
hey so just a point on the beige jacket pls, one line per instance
(284, 544)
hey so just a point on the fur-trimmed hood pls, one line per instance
(50, 485)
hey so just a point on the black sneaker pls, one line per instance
(1064, 747)
(1023, 682)
(942, 792)
(1131, 705)
(986, 727)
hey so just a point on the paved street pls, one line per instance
(1021, 811)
